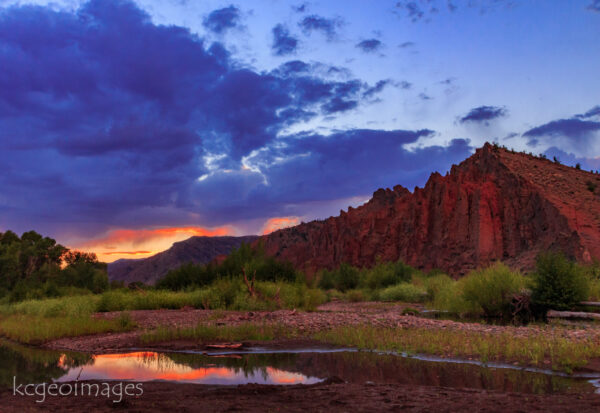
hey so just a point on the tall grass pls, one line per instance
(538, 350)
(31, 329)
(208, 333)
(223, 294)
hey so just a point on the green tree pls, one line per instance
(559, 283)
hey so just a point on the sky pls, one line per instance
(128, 125)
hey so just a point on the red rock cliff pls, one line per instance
(496, 205)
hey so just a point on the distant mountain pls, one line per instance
(199, 250)
(495, 205)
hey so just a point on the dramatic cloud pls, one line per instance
(369, 45)
(306, 167)
(283, 42)
(95, 136)
(327, 27)
(482, 114)
(221, 20)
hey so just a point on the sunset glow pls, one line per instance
(129, 243)
(274, 224)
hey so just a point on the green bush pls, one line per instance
(559, 283)
(435, 284)
(385, 274)
(251, 260)
(404, 292)
(344, 278)
(490, 291)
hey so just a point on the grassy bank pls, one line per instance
(225, 294)
(541, 350)
(208, 333)
(544, 350)
(32, 329)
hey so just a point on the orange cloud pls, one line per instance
(142, 243)
(276, 223)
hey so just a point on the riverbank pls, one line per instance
(566, 347)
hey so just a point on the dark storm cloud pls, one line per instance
(370, 45)
(327, 27)
(483, 114)
(283, 42)
(300, 167)
(221, 20)
(109, 120)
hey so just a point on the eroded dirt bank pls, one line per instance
(335, 397)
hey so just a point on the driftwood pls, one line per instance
(250, 284)
(573, 314)
(590, 303)
(254, 293)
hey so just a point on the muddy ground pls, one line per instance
(328, 397)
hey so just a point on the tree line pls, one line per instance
(34, 266)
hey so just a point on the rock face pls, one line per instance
(496, 205)
(199, 250)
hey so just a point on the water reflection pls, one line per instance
(146, 366)
(36, 366)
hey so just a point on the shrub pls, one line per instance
(403, 292)
(385, 274)
(491, 291)
(591, 186)
(559, 283)
(436, 284)
(344, 278)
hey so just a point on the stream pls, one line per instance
(281, 367)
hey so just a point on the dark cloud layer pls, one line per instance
(573, 129)
(369, 45)
(283, 42)
(483, 113)
(221, 20)
(108, 120)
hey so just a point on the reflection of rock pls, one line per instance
(33, 365)
(496, 205)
